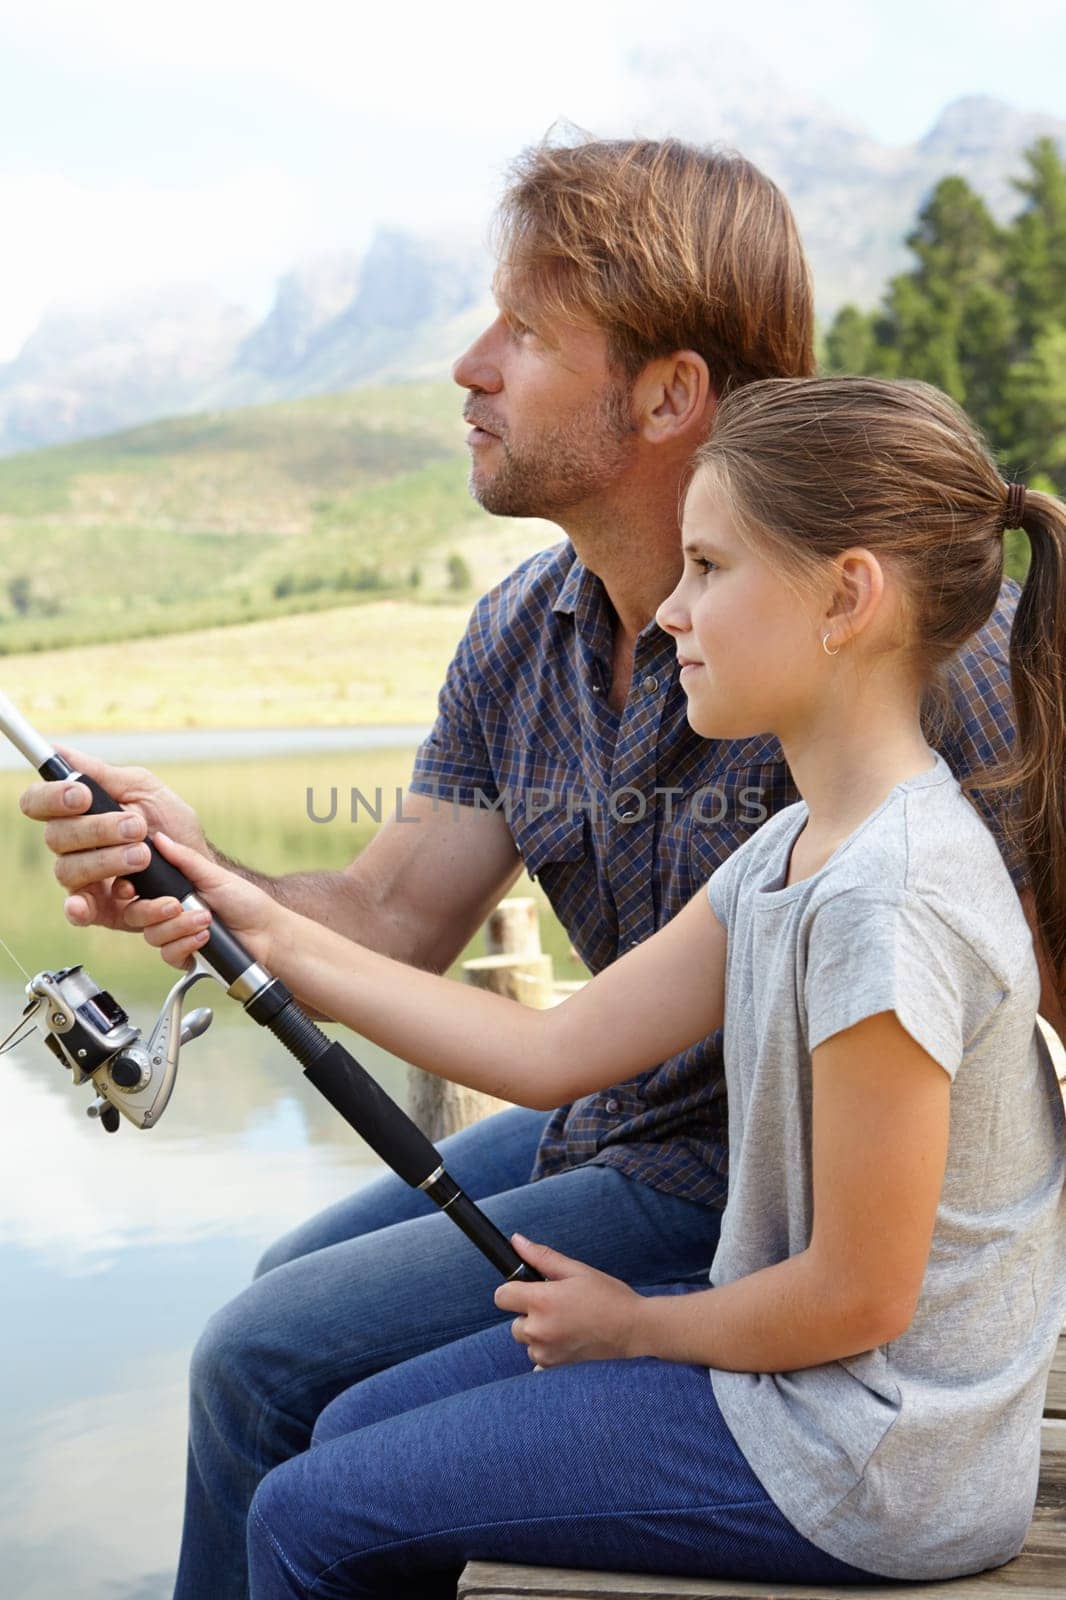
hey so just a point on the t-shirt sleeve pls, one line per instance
(869, 953)
(453, 761)
(722, 887)
(726, 882)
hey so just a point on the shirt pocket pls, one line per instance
(711, 822)
(553, 846)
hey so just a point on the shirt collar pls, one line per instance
(578, 580)
(582, 596)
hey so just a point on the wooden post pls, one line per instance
(527, 979)
(516, 967)
(513, 929)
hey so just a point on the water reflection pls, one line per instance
(230, 1162)
(114, 1249)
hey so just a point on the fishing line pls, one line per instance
(15, 958)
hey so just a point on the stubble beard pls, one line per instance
(564, 466)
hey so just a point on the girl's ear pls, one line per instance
(857, 593)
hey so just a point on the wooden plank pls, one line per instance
(1052, 1440)
(1047, 1531)
(1055, 1401)
(1055, 1393)
(1039, 1573)
(1031, 1577)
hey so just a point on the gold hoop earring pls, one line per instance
(826, 648)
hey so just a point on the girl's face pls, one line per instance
(748, 647)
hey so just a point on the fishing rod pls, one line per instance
(92, 1035)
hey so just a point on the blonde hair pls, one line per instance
(664, 247)
(812, 468)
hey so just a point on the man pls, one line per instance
(636, 280)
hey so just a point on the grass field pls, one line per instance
(232, 517)
(371, 664)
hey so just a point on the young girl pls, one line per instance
(859, 1392)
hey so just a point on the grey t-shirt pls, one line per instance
(918, 1459)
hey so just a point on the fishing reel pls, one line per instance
(92, 1036)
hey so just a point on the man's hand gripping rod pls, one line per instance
(334, 1072)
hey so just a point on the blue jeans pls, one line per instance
(465, 1454)
(379, 1279)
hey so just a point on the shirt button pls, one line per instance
(650, 684)
(612, 1106)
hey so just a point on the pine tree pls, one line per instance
(1038, 392)
(850, 341)
(944, 310)
(1036, 252)
(981, 314)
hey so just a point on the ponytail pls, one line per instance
(1037, 771)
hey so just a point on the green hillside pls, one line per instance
(237, 516)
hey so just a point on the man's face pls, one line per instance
(551, 419)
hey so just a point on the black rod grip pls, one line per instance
(387, 1129)
(365, 1105)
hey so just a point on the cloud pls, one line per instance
(286, 133)
(416, 63)
(82, 243)
(419, 63)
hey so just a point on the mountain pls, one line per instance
(407, 287)
(855, 226)
(854, 197)
(89, 372)
(402, 311)
(411, 303)
(307, 298)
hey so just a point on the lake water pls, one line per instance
(115, 1249)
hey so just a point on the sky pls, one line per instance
(222, 141)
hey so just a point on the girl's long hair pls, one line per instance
(811, 467)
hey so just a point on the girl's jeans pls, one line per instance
(463, 1451)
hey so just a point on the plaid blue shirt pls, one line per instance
(623, 816)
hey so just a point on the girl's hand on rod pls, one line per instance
(249, 913)
(581, 1314)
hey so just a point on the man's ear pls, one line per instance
(672, 398)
